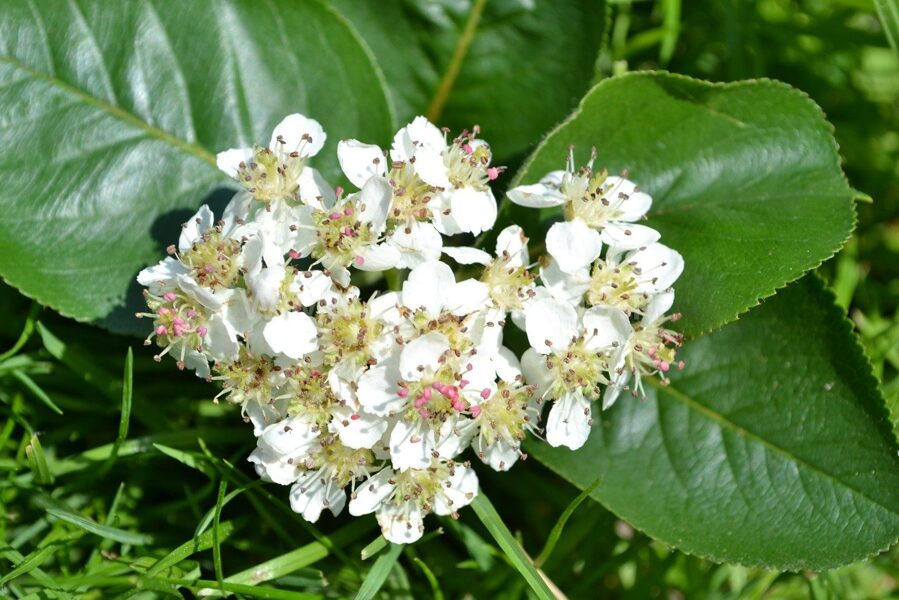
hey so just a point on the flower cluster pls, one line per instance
(370, 402)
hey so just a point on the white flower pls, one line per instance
(606, 203)
(278, 172)
(331, 466)
(401, 499)
(282, 448)
(652, 349)
(568, 359)
(432, 288)
(626, 280)
(504, 414)
(460, 169)
(349, 232)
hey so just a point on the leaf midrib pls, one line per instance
(718, 418)
(113, 110)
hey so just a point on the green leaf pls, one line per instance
(888, 10)
(461, 63)
(115, 113)
(745, 180)
(772, 447)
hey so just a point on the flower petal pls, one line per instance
(356, 429)
(428, 286)
(573, 244)
(465, 255)
(374, 202)
(401, 524)
(511, 241)
(377, 393)
(229, 160)
(606, 327)
(628, 236)
(371, 493)
(408, 445)
(292, 334)
(550, 321)
(421, 243)
(300, 134)
(459, 491)
(422, 353)
(536, 195)
(569, 421)
(474, 211)
(195, 227)
(361, 161)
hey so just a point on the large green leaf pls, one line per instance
(515, 67)
(771, 448)
(745, 178)
(110, 114)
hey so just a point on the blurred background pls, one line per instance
(834, 50)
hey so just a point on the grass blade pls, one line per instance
(556, 532)
(514, 552)
(27, 330)
(378, 573)
(301, 557)
(378, 544)
(191, 547)
(35, 389)
(127, 398)
(203, 585)
(38, 462)
(104, 531)
(216, 541)
(888, 10)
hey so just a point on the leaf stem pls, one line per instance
(435, 108)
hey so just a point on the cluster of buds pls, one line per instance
(373, 403)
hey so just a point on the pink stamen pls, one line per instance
(339, 191)
(468, 149)
(492, 173)
(161, 330)
(420, 401)
(469, 367)
(348, 231)
(664, 366)
(348, 211)
(315, 373)
(651, 352)
(293, 254)
(424, 413)
(463, 383)
(681, 365)
(485, 393)
(359, 261)
(163, 310)
(191, 314)
(459, 405)
(169, 296)
(426, 394)
(334, 216)
(355, 417)
(202, 330)
(402, 393)
(475, 410)
(451, 392)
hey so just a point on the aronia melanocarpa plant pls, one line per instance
(371, 404)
